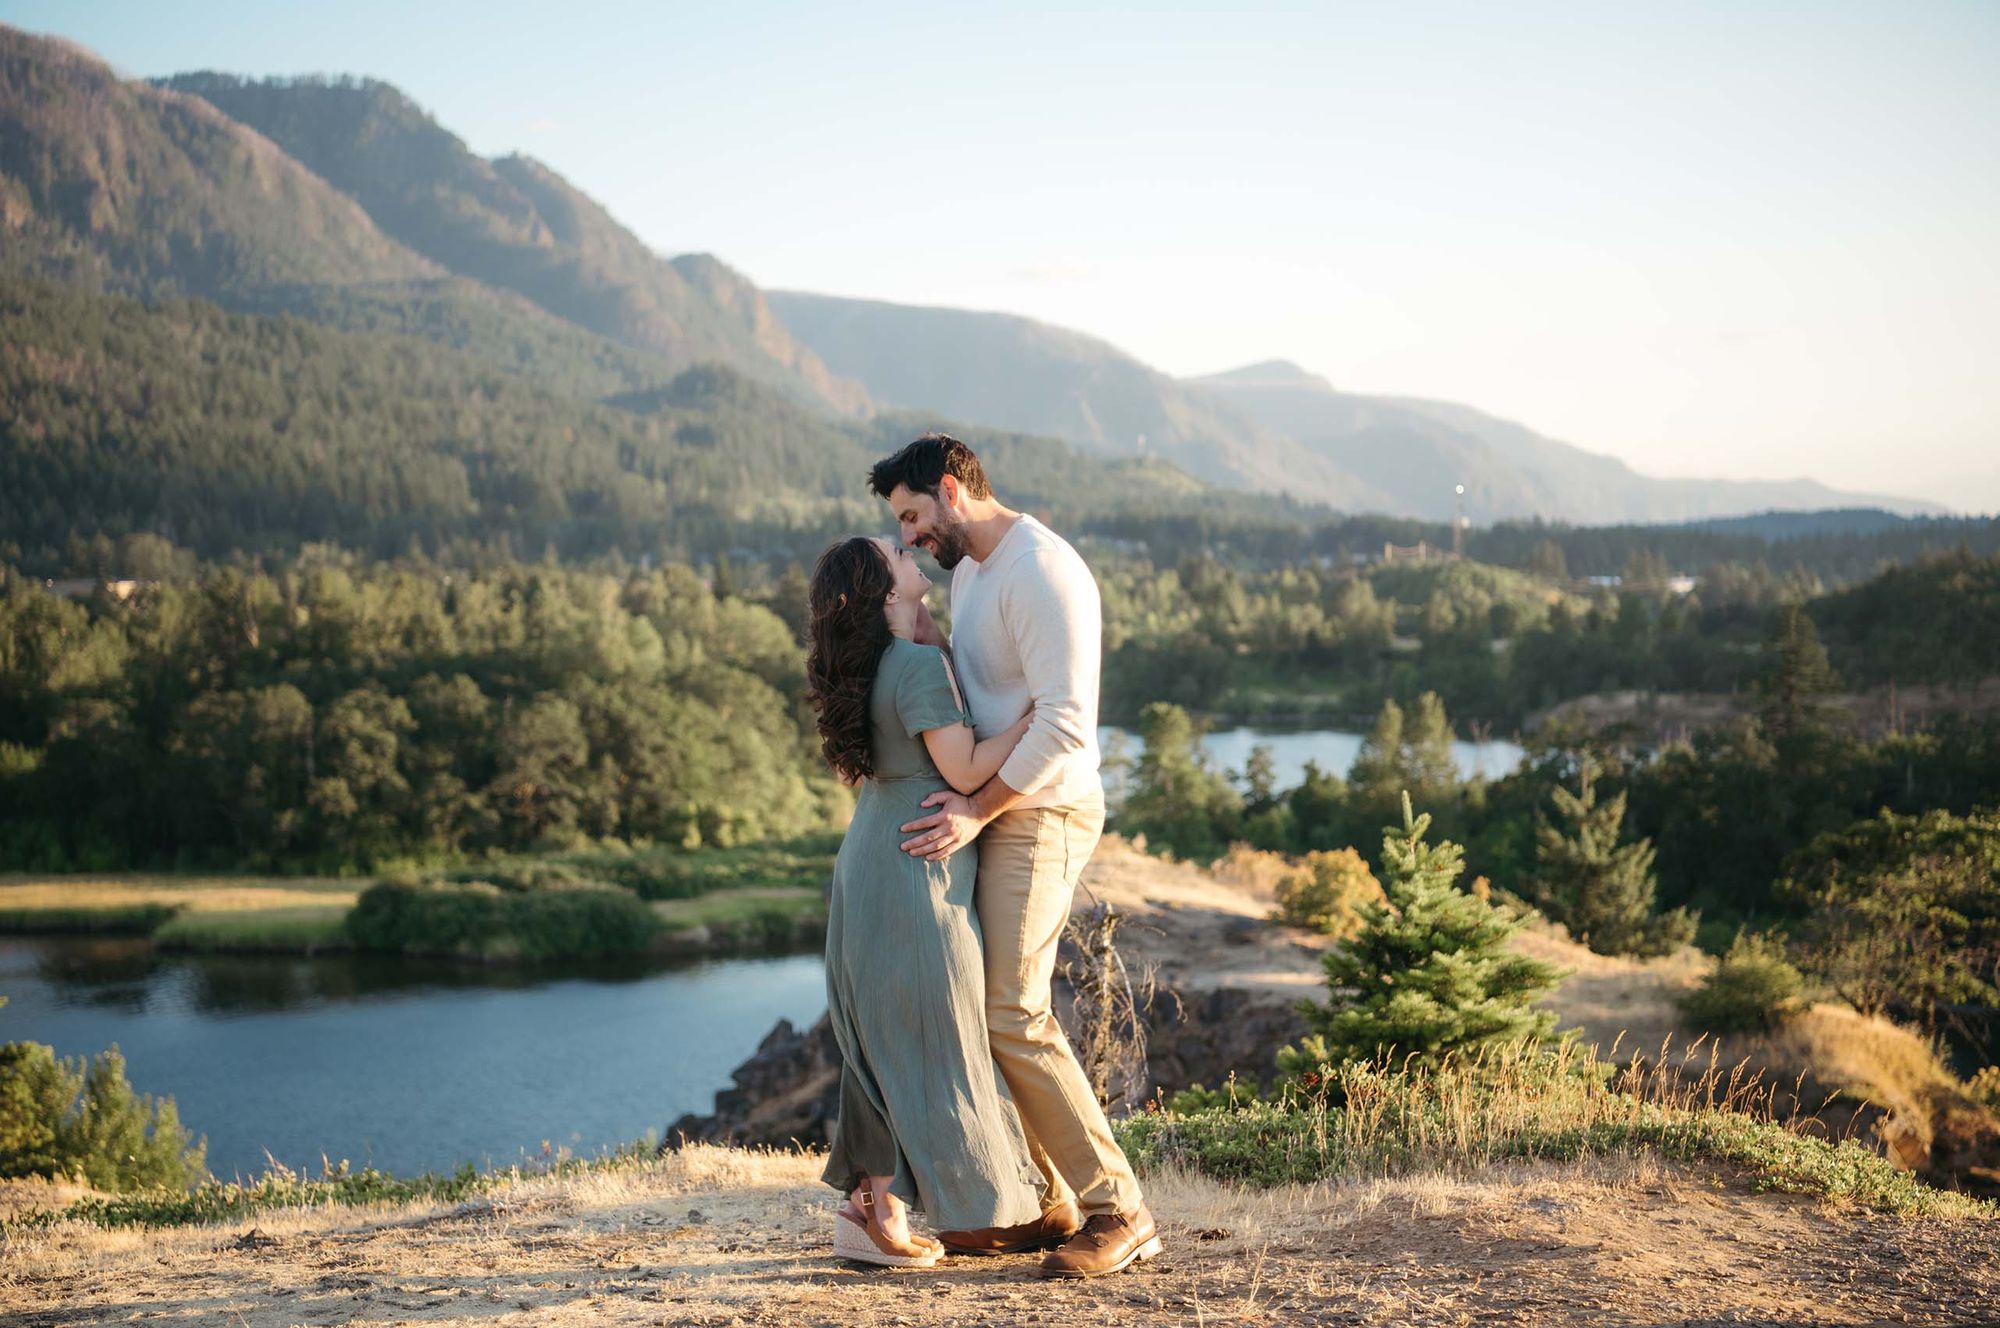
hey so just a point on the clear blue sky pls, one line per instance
(1711, 239)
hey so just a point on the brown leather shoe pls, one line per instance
(1053, 1227)
(1108, 1243)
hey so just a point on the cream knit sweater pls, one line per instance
(1027, 632)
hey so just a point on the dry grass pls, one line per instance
(207, 894)
(717, 1236)
(296, 914)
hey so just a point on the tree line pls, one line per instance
(1874, 859)
(338, 714)
(1497, 644)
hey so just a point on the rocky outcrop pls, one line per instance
(789, 1091)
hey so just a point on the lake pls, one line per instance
(400, 1064)
(1334, 749)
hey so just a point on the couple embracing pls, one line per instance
(979, 803)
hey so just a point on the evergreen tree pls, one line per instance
(1799, 679)
(1427, 758)
(1260, 777)
(1430, 972)
(1406, 750)
(1179, 800)
(1600, 889)
(1378, 766)
(81, 1118)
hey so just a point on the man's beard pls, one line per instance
(948, 544)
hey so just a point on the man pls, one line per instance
(1026, 631)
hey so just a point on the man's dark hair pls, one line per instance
(923, 464)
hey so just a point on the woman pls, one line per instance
(925, 1119)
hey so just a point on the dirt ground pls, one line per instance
(717, 1237)
(1198, 931)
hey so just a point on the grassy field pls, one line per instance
(758, 896)
(185, 912)
(745, 906)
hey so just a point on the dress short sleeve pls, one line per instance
(927, 694)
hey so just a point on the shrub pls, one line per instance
(523, 875)
(477, 919)
(1326, 891)
(1985, 1087)
(805, 861)
(1753, 987)
(1255, 869)
(78, 1119)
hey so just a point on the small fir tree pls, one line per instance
(1430, 972)
(1600, 889)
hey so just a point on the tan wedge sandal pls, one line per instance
(860, 1239)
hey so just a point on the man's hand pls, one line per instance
(955, 824)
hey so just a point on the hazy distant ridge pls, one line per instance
(1265, 426)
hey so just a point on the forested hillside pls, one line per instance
(516, 225)
(153, 190)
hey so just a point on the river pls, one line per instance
(404, 1065)
(1334, 749)
(414, 1065)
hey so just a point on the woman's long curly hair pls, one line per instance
(847, 638)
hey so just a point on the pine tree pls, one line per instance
(1260, 778)
(1178, 799)
(1600, 889)
(1430, 972)
(1378, 766)
(1427, 738)
(1799, 679)
(1406, 750)
(1547, 560)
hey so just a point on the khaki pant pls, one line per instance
(1029, 863)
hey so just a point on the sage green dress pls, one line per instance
(920, 1097)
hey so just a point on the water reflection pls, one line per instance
(130, 974)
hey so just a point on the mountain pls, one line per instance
(1015, 373)
(338, 324)
(1834, 521)
(514, 224)
(1270, 426)
(345, 203)
(121, 183)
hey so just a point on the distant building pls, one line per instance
(83, 587)
(1420, 552)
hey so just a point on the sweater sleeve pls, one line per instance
(1051, 608)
